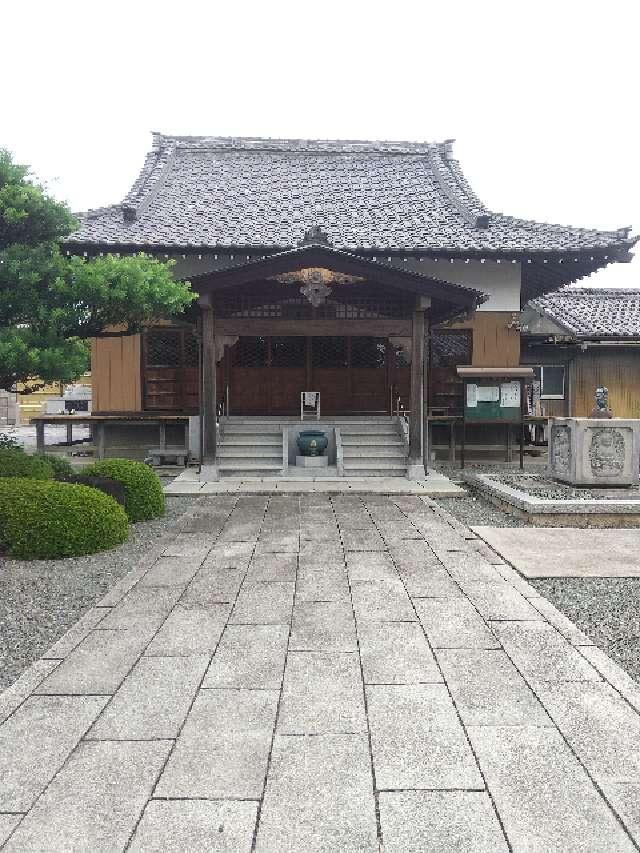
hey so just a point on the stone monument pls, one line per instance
(596, 451)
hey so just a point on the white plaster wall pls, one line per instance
(501, 282)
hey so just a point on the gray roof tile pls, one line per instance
(213, 192)
(594, 313)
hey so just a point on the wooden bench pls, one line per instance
(168, 455)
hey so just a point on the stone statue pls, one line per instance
(601, 408)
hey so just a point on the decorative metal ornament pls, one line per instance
(315, 290)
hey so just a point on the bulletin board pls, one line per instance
(494, 400)
(495, 396)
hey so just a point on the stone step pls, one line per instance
(374, 442)
(249, 466)
(233, 454)
(369, 429)
(240, 431)
(251, 441)
(395, 456)
(375, 472)
(377, 463)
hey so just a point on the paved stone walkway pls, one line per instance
(313, 673)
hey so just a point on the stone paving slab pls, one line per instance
(322, 694)
(454, 623)
(382, 601)
(263, 603)
(417, 739)
(153, 701)
(195, 826)
(223, 748)
(95, 801)
(319, 797)
(396, 653)
(488, 690)
(24, 686)
(546, 552)
(212, 585)
(339, 717)
(249, 656)
(35, 742)
(193, 630)
(8, 823)
(544, 797)
(440, 822)
(323, 627)
(541, 653)
(97, 665)
(600, 726)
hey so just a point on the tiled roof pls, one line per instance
(593, 313)
(198, 192)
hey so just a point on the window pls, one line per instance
(551, 379)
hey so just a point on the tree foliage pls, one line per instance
(50, 304)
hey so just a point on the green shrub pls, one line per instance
(14, 462)
(61, 466)
(47, 520)
(143, 495)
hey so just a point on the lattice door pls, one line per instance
(170, 370)
(449, 348)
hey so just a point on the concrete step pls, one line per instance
(251, 441)
(375, 472)
(369, 429)
(378, 463)
(234, 454)
(374, 457)
(395, 444)
(240, 431)
(360, 448)
(241, 466)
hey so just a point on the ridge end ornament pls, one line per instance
(315, 236)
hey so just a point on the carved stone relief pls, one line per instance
(607, 452)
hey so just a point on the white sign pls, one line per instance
(510, 395)
(472, 395)
(488, 394)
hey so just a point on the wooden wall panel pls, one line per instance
(115, 369)
(618, 370)
(494, 343)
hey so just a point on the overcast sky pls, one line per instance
(540, 96)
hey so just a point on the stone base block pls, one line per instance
(312, 461)
(595, 452)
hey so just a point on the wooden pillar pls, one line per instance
(426, 444)
(209, 437)
(415, 469)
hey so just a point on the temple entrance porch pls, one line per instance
(264, 375)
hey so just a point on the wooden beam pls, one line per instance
(304, 328)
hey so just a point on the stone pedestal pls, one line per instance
(595, 452)
(312, 461)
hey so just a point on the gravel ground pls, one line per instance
(41, 599)
(606, 609)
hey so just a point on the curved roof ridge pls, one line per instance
(163, 141)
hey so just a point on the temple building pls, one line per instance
(365, 271)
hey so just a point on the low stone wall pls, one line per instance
(542, 512)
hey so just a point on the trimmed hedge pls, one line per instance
(14, 462)
(61, 466)
(143, 495)
(48, 520)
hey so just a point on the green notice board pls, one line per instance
(492, 400)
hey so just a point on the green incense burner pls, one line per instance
(312, 442)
